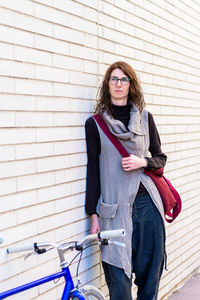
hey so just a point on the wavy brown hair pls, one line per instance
(135, 92)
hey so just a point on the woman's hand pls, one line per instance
(133, 162)
(95, 227)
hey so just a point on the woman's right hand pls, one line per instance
(95, 227)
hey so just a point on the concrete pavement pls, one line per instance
(189, 291)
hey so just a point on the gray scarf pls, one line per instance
(135, 126)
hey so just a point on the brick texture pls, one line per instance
(53, 55)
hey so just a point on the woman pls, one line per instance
(119, 194)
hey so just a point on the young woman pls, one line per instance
(119, 194)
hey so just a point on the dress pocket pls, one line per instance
(107, 210)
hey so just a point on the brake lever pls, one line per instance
(36, 251)
(106, 242)
(30, 254)
(119, 243)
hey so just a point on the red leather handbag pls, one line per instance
(170, 197)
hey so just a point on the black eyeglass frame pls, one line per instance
(121, 80)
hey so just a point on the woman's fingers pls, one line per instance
(133, 162)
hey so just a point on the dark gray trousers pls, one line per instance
(148, 250)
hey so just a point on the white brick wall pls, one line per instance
(53, 55)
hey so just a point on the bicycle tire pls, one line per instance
(90, 292)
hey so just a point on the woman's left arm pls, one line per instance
(158, 159)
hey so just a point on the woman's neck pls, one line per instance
(119, 102)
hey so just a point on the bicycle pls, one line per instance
(88, 292)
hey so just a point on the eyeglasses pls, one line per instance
(124, 80)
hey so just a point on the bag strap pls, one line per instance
(112, 138)
(124, 153)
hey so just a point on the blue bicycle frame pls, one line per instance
(39, 248)
(68, 288)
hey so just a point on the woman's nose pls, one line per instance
(118, 82)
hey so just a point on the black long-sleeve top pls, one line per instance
(121, 113)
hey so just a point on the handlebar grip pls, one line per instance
(20, 248)
(111, 233)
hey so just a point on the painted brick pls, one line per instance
(125, 28)
(54, 55)
(32, 55)
(90, 3)
(113, 11)
(17, 201)
(34, 150)
(32, 24)
(89, 14)
(52, 222)
(6, 83)
(17, 168)
(31, 119)
(19, 233)
(35, 212)
(51, 74)
(21, 6)
(90, 67)
(78, 186)
(53, 163)
(133, 19)
(7, 119)
(16, 36)
(34, 181)
(50, 14)
(69, 147)
(72, 7)
(6, 51)
(106, 21)
(66, 175)
(113, 35)
(7, 153)
(83, 79)
(16, 102)
(51, 104)
(68, 34)
(7, 16)
(78, 159)
(73, 91)
(53, 192)
(14, 136)
(48, 2)
(71, 229)
(86, 26)
(83, 52)
(76, 132)
(51, 45)
(69, 202)
(52, 134)
(70, 63)
(106, 45)
(16, 69)
(90, 40)
(124, 51)
(125, 5)
(8, 219)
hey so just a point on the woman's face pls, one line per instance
(119, 89)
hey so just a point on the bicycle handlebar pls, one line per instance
(36, 246)
(111, 234)
(30, 247)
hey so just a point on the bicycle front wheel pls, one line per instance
(90, 292)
